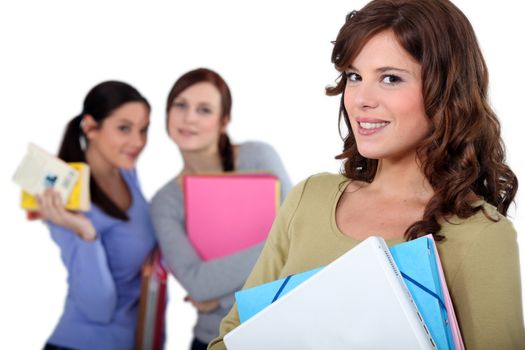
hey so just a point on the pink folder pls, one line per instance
(454, 326)
(229, 212)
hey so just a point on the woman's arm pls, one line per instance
(206, 280)
(487, 293)
(270, 262)
(203, 280)
(90, 282)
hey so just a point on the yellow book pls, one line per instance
(79, 198)
(40, 169)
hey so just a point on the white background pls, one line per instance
(275, 55)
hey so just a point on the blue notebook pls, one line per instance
(417, 262)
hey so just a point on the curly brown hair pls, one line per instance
(464, 153)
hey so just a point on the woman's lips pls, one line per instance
(370, 127)
(185, 132)
(132, 155)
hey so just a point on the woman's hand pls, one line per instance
(51, 207)
(203, 306)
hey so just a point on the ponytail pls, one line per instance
(71, 146)
(226, 152)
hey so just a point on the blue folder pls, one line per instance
(251, 301)
(416, 261)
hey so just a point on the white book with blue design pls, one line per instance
(39, 170)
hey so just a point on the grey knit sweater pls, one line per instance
(219, 278)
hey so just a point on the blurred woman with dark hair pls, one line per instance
(104, 248)
(198, 113)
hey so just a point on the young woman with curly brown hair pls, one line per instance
(423, 154)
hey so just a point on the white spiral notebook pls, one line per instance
(359, 301)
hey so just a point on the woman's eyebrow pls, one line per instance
(390, 68)
(382, 69)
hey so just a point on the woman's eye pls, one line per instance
(391, 79)
(144, 131)
(352, 76)
(180, 105)
(124, 128)
(204, 110)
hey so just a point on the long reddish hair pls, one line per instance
(464, 153)
(201, 75)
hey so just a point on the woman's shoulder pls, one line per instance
(485, 216)
(320, 186)
(325, 180)
(255, 155)
(484, 238)
(170, 191)
(249, 148)
(487, 224)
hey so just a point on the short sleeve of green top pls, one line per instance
(479, 257)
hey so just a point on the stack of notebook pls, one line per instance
(371, 297)
(152, 306)
(39, 170)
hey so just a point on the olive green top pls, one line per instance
(479, 258)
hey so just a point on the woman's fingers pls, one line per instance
(53, 209)
(51, 205)
(56, 199)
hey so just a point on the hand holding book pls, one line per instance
(39, 170)
(52, 208)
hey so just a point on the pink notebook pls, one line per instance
(454, 326)
(229, 212)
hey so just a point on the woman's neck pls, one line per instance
(201, 162)
(100, 168)
(109, 180)
(402, 178)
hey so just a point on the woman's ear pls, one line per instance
(89, 126)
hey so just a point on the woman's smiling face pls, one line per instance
(384, 101)
(194, 118)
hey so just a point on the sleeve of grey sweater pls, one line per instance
(261, 156)
(203, 280)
